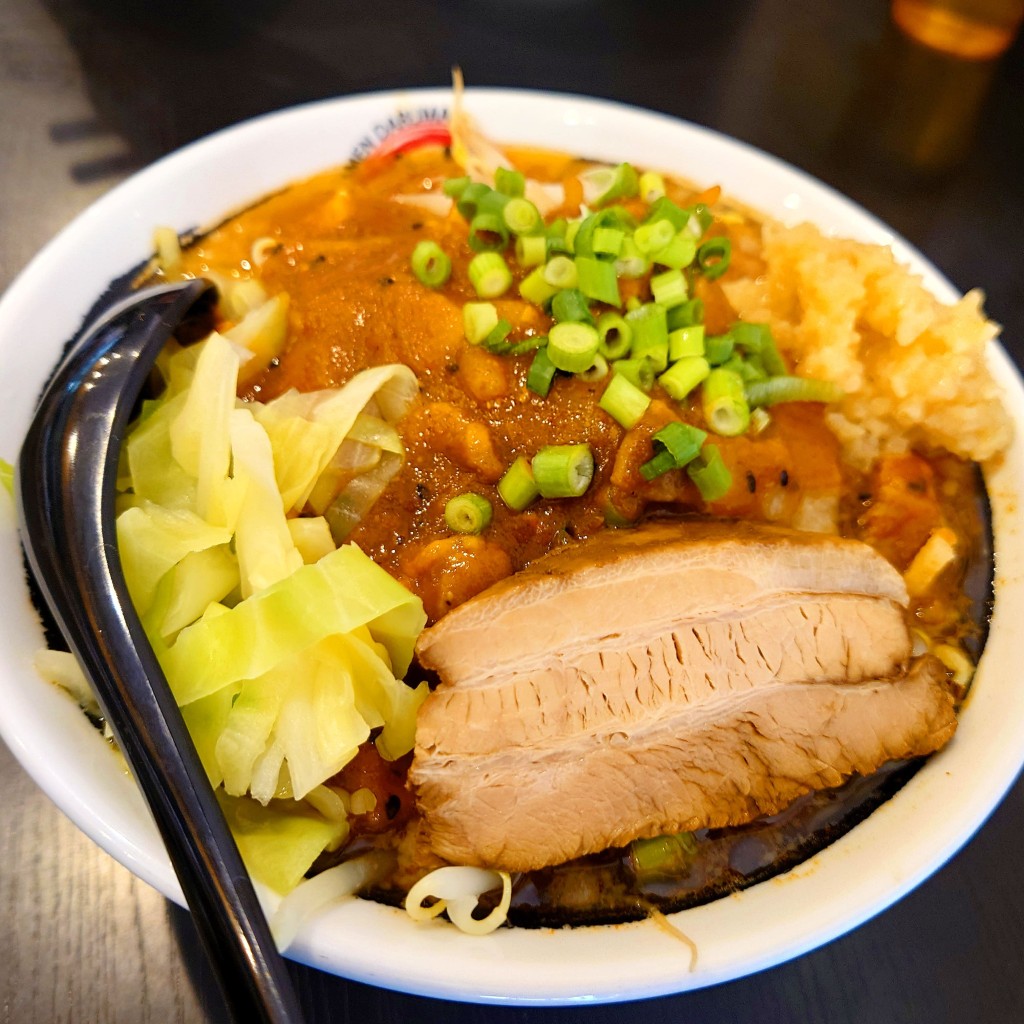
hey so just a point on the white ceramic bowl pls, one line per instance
(898, 846)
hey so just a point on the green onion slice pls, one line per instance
(560, 272)
(535, 288)
(679, 253)
(522, 217)
(718, 348)
(791, 389)
(598, 370)
(487, 232)
(430, 264)
(685, 341)
(597, 280)
(489, 275)
(665, 209)
(531, 250)
(541, 373)
(639, 372)
(563, 470)
(683, 376)
(689, 313)
(652, 186)
(495, 340)
(725, 404)
(603, 184)
(669, 288)
(469, 199)
(614, 335)
(650, 333)
(653, 236)
(572, 346)
(713, 257)
(631, 262)
(517, 488)
(509, 182)
(468, 513)
(675, 445)
(624, 401)
(478, 320)
(454, 187)
(710, 473)
(571, 304)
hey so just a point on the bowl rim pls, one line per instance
(822, 898)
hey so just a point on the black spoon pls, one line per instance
(65, 487)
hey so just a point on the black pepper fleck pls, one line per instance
(392, 806)
(784, 478)
(751, 482)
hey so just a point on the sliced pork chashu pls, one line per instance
(670, 677)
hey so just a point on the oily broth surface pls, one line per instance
(338, 245)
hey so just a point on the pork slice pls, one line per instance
(530, 807)
(668, 677)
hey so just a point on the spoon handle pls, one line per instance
(67, 473)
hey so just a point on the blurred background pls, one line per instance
(915, 111)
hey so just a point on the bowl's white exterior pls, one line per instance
(877, 863)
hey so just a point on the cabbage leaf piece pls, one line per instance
(279, 842)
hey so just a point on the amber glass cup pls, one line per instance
(970, 29)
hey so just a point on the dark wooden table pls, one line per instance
(91, 90)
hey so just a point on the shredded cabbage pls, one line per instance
(284, 651)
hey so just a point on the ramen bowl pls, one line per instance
(881, 859)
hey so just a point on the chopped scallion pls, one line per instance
(624, 401)
(517, 488)
(665, 209)
(685, 341)
(598, 370)
(710, 473)
(468, 513)
(675, 445)
(683, 376)
(531, 250)
(541, 373)
(469, 199)
(725, 404)
(560, 272)
(631, 262)
(571, 304)
(713, 257)
(608, 241)
(487, 233)
(535, 288)
(718, 348)
(653, 236)
(690, 312)
(489, 274)
(478, 320)
(603, 184)
(572, 345)
(563, 470)
(669, 288)
(614, 334)
(650, 333)
(791, 389)
(679, 252)
(454, 187)
(637, 371)
(652, 186)
(597, 280)
(430, 264)
(522, 217)
(509, 182)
